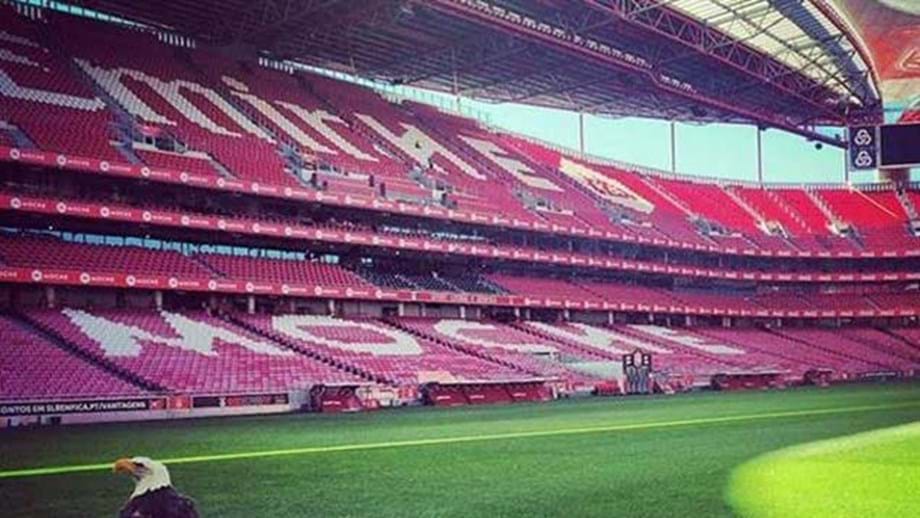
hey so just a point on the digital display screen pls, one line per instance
(900, 145)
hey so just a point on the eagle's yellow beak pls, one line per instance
(124, 465)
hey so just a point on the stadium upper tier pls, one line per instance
(119, 101)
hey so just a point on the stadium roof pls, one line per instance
(781, 63)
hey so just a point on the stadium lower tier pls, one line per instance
(77, 353)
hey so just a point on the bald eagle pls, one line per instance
(153, 496)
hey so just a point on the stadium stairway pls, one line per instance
(310, 353)
(909, 208)
(789, 211)
(108, 366)
(825, 208)
(201, 261)
(740, 201)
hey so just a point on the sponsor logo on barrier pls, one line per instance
(84, 278)
(15, 154)
(221, 182)
(147, 216)
(184, 220)
(212, 285)
(285, 289)
(145, 172)
(288, 192)
(61, 207)
(173, 282)
(255, 187)
(61, 160)
(104, 212)
(221, 224)
(37, 275)
(131, 280)
(104, 166)
(16, 203)
(183, 177)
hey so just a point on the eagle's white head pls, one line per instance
(148, 474)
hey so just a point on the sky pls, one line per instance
(720, 150)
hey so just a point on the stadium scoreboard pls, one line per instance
(885, 146)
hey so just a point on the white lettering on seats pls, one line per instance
(583, 334)
(459, 330)
(509, 164)
(694, 342)
(299, 327)
(9, 87)
(119, 339)
(200, 337)
(282, 122)
(418, 145)
(317, 120)
(605, 186)
(11, 57)
(19, 40)
(171, 91)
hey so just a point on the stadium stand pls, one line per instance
(53, 253)
(34, 367)
(281, 271)
(53, 108)
(162, 93)
(501, 343)
(389, 354)
(187, 353)
(194, 111)
(474, 258)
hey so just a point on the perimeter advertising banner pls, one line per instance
(890, 31)
(83, 406)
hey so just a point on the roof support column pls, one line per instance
(759, 156)
(846, 161)
(456, 79)
(673, 147)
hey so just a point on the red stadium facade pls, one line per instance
(186, 233)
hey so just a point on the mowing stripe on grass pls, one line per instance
(78, 468)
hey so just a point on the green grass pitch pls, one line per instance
(669, 456)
